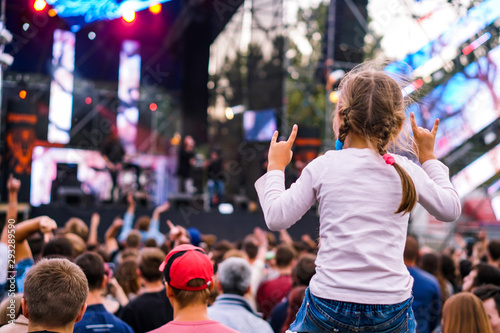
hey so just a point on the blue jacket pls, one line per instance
(97, 319)
(234, 311)
(427, 300)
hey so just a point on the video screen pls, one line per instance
(477, 172)
(61, 87)
(465, 104)
(259, 125)
(436, 53)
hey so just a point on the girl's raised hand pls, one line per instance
(280, 153)
(424, 139)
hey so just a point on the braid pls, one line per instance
(345, 124)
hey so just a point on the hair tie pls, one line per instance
(388, 159)
(339, 145)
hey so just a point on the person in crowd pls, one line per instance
(231, 308)
(127, 277)
(464, 313)
(256, 247)
(151, 309)
(11, 315)
(59, 247)
(448, 271)
(359, 264)
(481, 274)
(490, 296)
(302, 273)
(271, 292)
(186, 163)
(430, 263)
(55, 292)
(426, 290)
(76, 226)
(96, 318)
(493, 252)
(188, 275)
(294, 302)
(148, 228)
(215, 177)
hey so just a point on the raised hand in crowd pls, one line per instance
(424, 140)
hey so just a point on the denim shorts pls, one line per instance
(322, 315)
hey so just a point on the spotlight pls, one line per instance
(155, 8)
(128, 16)
(92, 35)
(153, 107)
(88, 100)
(22, 94)
(39, 5)
(52, 12)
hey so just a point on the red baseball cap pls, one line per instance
(187, 262)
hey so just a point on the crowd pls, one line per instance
(257, 284)
(363, 274)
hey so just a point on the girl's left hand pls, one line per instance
(280, 153)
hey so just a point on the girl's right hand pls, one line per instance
(424, 140)
(280, 153)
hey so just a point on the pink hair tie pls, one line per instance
(388, 159)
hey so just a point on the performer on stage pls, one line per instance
(113, 153)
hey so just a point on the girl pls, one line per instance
(365, 195)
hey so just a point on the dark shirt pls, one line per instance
(215, 171)
(427, 299)
(97, 319)
(278, 316)
(148, 311)
(113, 150)
(185, 157)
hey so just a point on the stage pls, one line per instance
(232, 227)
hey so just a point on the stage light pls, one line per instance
(334, 97)
(229, 113)
(52, 12)
(128, 16)
(88, 100)
(92, 35)
(475, 44)
(26, 26)
(153, 107)
(155, 8)
(39, 5)
(22, 94)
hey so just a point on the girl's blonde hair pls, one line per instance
(372, 105)
(465, 313)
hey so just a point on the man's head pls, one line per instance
(251, 246)
(92, 266)
(55, 292)
(494, 251)
(188, 274)
(234, 276)
(304, 270)
(76, 226)
(410, 254)
(481, 274)
(149, 262)
(133, 240)
(284, 256)
(490, 295)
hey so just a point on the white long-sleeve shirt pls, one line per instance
(360, 259)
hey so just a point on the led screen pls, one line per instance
(477, 172)
(466, 103)
(259, 125)
(445, 48)
(128, 93)
(61, 87)
(86, 11)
